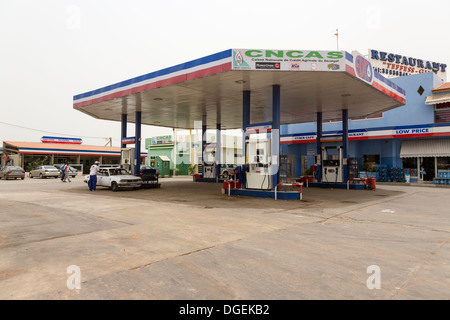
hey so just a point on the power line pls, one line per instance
(60, 134)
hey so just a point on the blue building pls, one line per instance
(398, 141)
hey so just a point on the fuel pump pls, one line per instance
(127, 159)
(209, 163)
(259, 175)
(332, 164)
(209, 170)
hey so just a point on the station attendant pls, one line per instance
(93, 177)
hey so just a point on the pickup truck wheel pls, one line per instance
(114, 186)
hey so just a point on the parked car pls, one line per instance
(44, 172)
(116, 178)
(142, 168)
(72, 171)
(12, 172)
(227, 169)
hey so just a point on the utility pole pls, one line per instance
(337, 39)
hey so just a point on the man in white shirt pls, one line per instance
(93, 177)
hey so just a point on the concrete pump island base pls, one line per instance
(187, 241)
(257, 91)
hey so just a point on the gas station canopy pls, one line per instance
(210, 89)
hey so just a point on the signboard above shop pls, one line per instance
(162, 140)
(47, 139)
(396, 65)
(288, 60)
(129, 140)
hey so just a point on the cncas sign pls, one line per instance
(162, 140)
(395, 65)
(294, 54)
(288, 60)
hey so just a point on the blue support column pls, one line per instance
(137, 145)
(319, 146)
(123, 133)
(203, 147)
(218, 150)
(275, 134)
(245, 121)
(345, 144)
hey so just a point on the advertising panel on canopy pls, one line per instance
(288, 60)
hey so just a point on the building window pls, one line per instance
(442, 113)
(421, 90)
(370, 161)
(443, 163)
(409, 163)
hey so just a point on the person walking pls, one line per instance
(93, 177)
(62, 168)
(66, 173)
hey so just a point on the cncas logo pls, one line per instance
(238, 58)
(363, 69)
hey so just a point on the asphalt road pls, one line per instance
(189, 241)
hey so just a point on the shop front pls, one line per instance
(32, 154)
(428, 157)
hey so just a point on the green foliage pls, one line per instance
(193, 169)
(368, 167)
(33, 164)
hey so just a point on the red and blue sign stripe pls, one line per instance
(209, 65)
(128, 140)
(47, 139)
(398, 132)
(375, 79)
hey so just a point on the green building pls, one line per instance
(161, 155)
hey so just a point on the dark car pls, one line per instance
(142, 168)
(12, 172)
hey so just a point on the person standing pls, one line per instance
(66, 172)
(93, 177)
(423, 173)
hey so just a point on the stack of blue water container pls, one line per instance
(396, 175)
(381, 173)
(443, 178)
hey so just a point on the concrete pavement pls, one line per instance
(188, 241)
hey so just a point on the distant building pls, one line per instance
(183, 149)
(28, 154)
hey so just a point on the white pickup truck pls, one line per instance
(116, 178)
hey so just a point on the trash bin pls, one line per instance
(407, 177)
(371, 183)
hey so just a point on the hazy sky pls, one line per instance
(53, 50)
